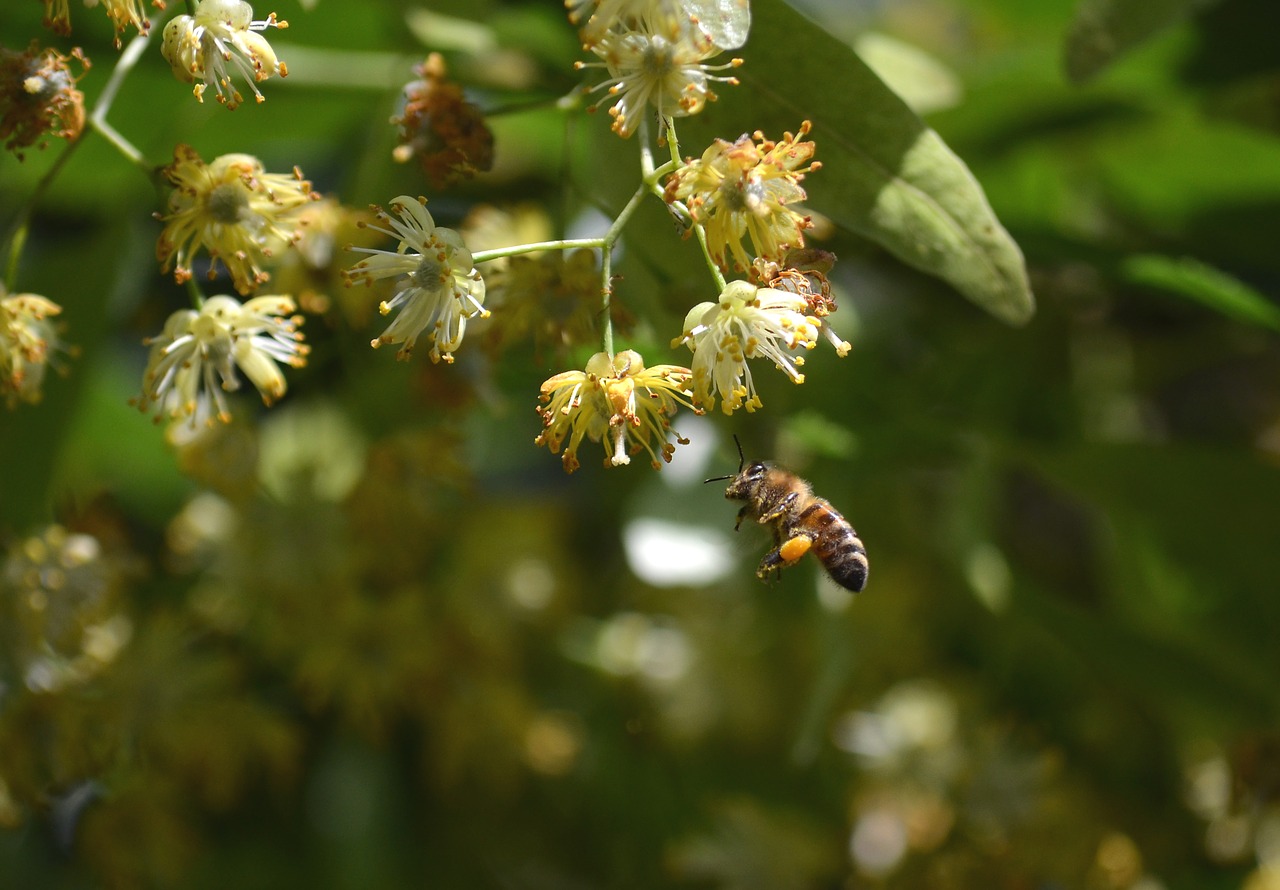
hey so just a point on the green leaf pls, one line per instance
(923, 82)
(1103, 30)
(1204, 284)
(885, 175)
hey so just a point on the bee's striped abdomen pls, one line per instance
(835, 544)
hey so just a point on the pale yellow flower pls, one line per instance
(439, 286)
(658, 60)
(743, 189)
(605, 15)
(194, 359)
(220, 40)
(746, 322)
(616, 401)
(123, 13)
(232, 208)
(28, 344)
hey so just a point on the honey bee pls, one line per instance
(801, 522)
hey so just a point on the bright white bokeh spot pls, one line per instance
(691, 463)
(668, 554)
(631, 644)
(665, 654)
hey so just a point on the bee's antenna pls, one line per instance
(742, 462)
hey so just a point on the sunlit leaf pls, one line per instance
(885, 174)
(921, 80)
(1204, 284)
(1103, 30)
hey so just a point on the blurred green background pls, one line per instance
(373, 637)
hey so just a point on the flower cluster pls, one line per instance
(123, 13)
(743, 189)
(194, 359)
(232, 208)
(446, 133)
(615, 400)
(38, 96)
(655, 54)
(28, 344)
(439, 286)
(222, 39)
(658, 59)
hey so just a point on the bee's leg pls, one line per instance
(742, 514)
(785, 554)
(783, 507)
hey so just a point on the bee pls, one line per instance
(802, 522)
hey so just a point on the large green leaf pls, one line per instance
(885, 174)
(1103, 30)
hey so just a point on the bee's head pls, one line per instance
(747, 477)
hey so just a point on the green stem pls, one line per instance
(606, 271)
(606, 301)
(98, 119)
(699, 232)
(16, 236)
(196, 293)
(11, 267)
(673, 143)
(497, 253)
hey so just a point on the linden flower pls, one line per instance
(220, 40)
(602, 15)
(742, 188)
(232, 208)
(28, 342)
(57, 15)
(619, 397)
(194, 359)
(439, 285)
(747, 322)
(726, 22)
(38, 96)
(446, 133)
(801, 276)
(659, 61)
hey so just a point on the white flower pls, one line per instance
(439, 285)
(747, 322)
(222, 39)
(193, 361)
(660, 60)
